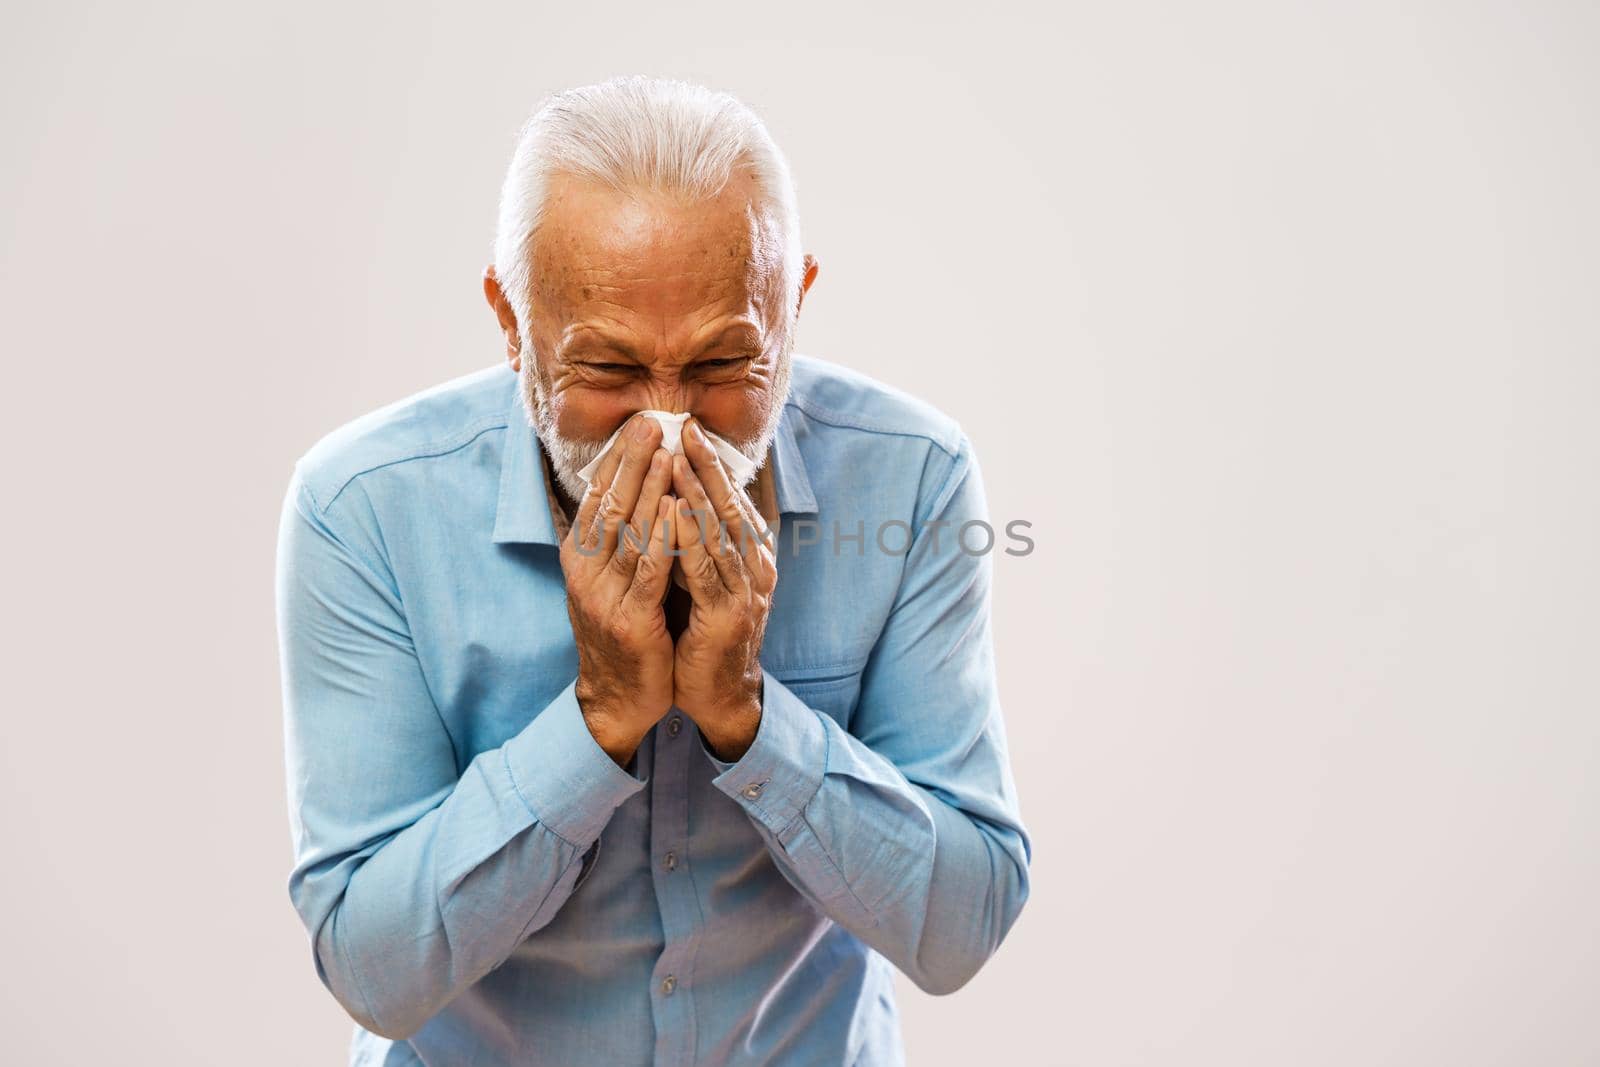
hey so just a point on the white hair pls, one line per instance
(642, 133)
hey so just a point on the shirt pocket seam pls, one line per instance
(816, 673)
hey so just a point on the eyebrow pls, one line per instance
(742, 332)
(580, 334)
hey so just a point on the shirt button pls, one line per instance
(670, 861)
(753, 790)
(674, 724)
(668, 984)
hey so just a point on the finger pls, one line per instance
(709, 527)
(654, 570)
(703, 577)
(632, 542)
(762, 562)
(724, 495)
(601, 481)
(615, 503)
(752, 515)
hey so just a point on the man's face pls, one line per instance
(639, 302)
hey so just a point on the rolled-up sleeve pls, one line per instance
(904, 828)
(414, 878)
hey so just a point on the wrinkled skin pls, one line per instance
(641, 301)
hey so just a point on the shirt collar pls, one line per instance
(522, 515)
(789, 474)
(525, 511)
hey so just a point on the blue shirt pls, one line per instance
(483, 885)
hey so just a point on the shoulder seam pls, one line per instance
(454, 443)
(960, 467)
(830, 418)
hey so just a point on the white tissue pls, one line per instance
(738, 464)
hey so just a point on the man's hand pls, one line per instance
(716, 671)
(615, 588)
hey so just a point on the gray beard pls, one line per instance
(569, 455)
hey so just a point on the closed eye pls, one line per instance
(724, 366)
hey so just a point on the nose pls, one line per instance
(671, 397)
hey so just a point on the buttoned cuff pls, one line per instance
(782, 769)
(562, 774)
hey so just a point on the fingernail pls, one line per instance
(641, 429)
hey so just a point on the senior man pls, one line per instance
(674, 763)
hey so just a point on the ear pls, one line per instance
(809, 276)
(504, 315)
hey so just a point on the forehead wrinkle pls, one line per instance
(661, 302)
(736, 262)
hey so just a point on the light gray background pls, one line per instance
(1277, 321)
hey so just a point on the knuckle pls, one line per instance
(574, 561)
(575, 549)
